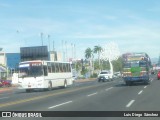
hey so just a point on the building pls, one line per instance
(8, 62)
(12, 60)
(3, 59)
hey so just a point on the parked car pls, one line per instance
(5, 83)
(152, 72)
(158, 75)
(117, 74)
(105, 76)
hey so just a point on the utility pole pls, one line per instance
(66, 50)
(49, 42)
(63, 52)
(42, 38)
(53, 46)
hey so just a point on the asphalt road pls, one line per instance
(88, 96)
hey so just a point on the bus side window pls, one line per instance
(57, 67)
(53, 68)
(69, 67)
(45, 70)
(60, 67)
(64, 67)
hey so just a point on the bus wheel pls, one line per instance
(65, 84)
(28, 90)
(49, 86)
(128, 83)
(147, 82)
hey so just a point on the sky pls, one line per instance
(131, 24)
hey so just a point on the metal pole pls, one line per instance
(53, 45)
(42, 38)
(66, 50)
(49, 42)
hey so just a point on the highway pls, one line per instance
(88, 96)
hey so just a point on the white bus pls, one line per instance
(44, 74)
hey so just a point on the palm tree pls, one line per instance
(98, 49)
(89, 55)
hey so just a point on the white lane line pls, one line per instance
(145, 86)
(140, 92)
(5, 94)
(109, 88)
(130, 103)
(92, 94)
(4, 97)
(59, 105)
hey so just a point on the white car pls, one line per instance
(117, 75)
(105, 76)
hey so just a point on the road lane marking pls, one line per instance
(130, 103)
(140, 92)
(109, 88)
(5, 94)
(4, 97)
(45, 96)
(145, 86)
(92, 94)
(60, 104)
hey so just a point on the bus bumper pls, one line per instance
(136, 79)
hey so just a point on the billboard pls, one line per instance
(34, 53)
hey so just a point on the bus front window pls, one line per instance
(127, 65)
(33, 71)
(23, 72)
(142, 64)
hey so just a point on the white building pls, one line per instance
(3, 60)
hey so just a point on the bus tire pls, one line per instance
(65, 84)
(28, 90)
(128, 83)
(147, 82)
(49, 86)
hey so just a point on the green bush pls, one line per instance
(95, 75)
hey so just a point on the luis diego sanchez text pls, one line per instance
(141, 114)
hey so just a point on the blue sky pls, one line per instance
(132, 24)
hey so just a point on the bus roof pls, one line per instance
(42, 61)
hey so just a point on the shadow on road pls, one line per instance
(133, 84)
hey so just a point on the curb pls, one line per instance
(2, 90)
(85, 80)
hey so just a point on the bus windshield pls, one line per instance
(30, 71)
(143, 64)
(135, 64)
(127, 65)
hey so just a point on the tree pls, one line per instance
(89, 55)
(98, 49)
